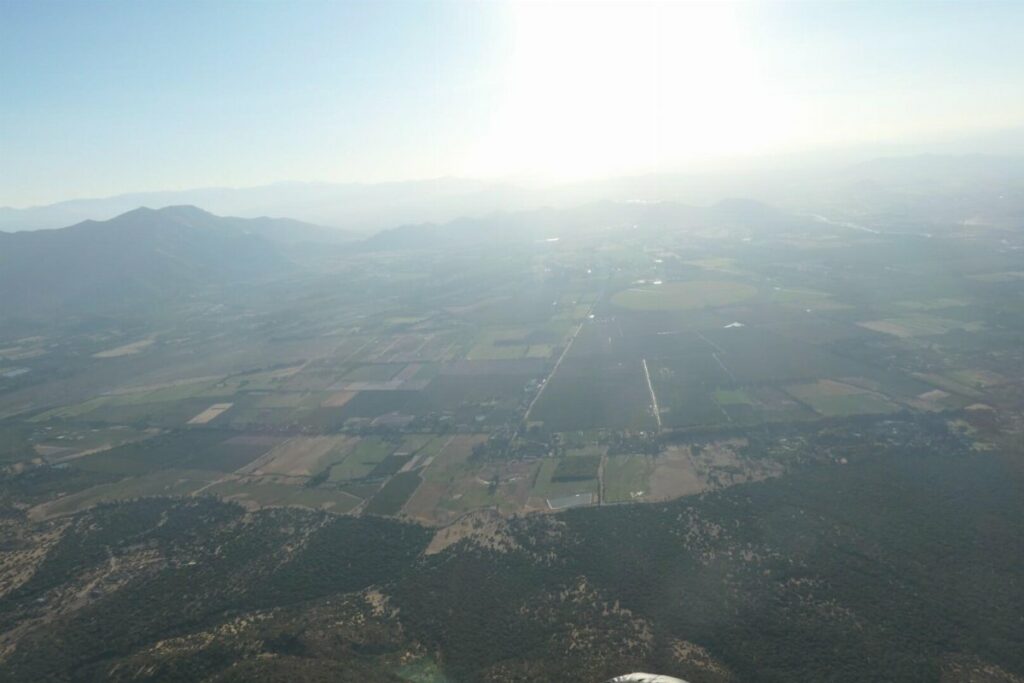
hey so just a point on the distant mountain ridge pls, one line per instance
(146, 256)
(357, 207)
(962, 185)
(142, 255)
(744, 216)
(938, 170)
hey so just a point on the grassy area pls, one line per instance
(376, 372)
(487, 352)
(540, 351)
(283, 399)
(500, 344)
(948, 384)
(730, 397)
(412, 443)
(184, 449)
(805, 298)
(721, 263)
(625, 475)
(918, 326)
(172, 482)
(14, 442)
(547, 487)
(266, 493)
(390, 499)
(682, 296)
(72, 411)
(835, 399)
(575, 468)
(142, 401)
(977, 379)
(586, 395)
(367, 454)
(933, 304)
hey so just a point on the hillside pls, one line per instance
(926, 188)
(842, 573)
(735, 217)
(362, 207)
(143, 255)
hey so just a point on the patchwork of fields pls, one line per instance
(556, 375)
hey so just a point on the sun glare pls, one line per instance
(592, 90)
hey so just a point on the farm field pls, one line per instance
(168, 482)
(831, 398)
(681, 296)
(919, 326)
(627, 478)
(544, 379)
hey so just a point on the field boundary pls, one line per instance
(654, 397)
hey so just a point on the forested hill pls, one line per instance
(141, 257)
(903, 566)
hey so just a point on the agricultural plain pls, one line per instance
(628, 365)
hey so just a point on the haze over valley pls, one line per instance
(695, 391)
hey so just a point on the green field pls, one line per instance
(267, 493)
(919, 326)
(362, 460)
(683, 296)
(390, 499)
(834, 399)
(730, 397)
(805, 298)
(171, 482)
(377, 372)
(14, 442)
(625, 475)
(547, 487)
(180, 450)
(576, 468)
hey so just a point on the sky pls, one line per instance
(100, 98)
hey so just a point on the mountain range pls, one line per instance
(145, 256)
(142, 255)
(956, 188)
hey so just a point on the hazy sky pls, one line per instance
(99, 98)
